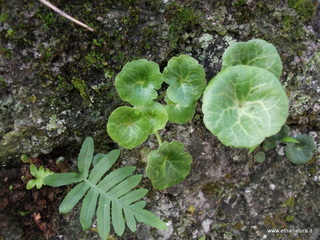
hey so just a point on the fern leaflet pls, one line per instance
(111, 197)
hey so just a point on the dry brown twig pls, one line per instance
(54, 8)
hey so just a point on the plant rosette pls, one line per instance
(39, 175)
(130, 126)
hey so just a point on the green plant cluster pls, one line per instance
(112, 196)
(137, 84)
(298, 150)
(242, 105)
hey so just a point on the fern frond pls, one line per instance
(112, 197)
(85, 157)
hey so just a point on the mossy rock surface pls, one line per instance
(57, 87)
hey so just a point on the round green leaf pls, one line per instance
(179, 114)
(157, 115)
(169, 165)
(186, 79)
(260, 157)
(255, 52)
(243, 105)
(137, 82)
(128, 127)
(300, 152)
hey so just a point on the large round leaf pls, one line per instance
(137, 82)
(243, 105)
(128, 127)
(157, 115)
(169, 165)
(300, 152)
(186, 79)
(255, 52)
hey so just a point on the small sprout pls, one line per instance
(260, 157)
(300, 152)
(60, 160)
(25, 159)
(289, 140)
(22, 213)
(39, 175)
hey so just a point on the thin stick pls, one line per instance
(54, 8)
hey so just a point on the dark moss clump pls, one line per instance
(305, 8)
(182, 18)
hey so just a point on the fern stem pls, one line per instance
(158, 137)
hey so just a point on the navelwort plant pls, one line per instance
(137, 84)
(242, 105)
(298, 150)
(112, 196)
(245, 105)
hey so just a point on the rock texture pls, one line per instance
(56, 88)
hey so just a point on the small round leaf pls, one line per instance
(128, 127)
(186, 79)
(255, 52)
(157, 115)
(243, 105)
(260, 157)
(179, 114)
(169, 165)
(299, 153)
(137, 82)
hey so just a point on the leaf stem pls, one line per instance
(158, 137)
